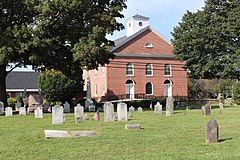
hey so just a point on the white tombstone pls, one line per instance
(122, 111)
(168, 113)
(1, 107)
(131, 109)
(57, 114)
(139, 109)
(66, 107)
(78, 111)
(22, 111)
(8, 111)
(158, 109)
(18, 105)
(220, 105)
(108, 112)
(38, 112)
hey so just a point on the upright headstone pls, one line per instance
(89, 105)
(78, 111)
(1, 107)
(108, 112)
(122, 111)
(158, 109)
(139, 109)
(18, 105)
(131, 109)
(206, 110)
(8, 111)
(168, 114)
(212, 132)
(57, 114)
(169, 104)
(38, 112)
(22, 111)
(66, 107)
(220, 105)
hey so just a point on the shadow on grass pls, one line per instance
(226, 139)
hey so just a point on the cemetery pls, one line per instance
(158, 133)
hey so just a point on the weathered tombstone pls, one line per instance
(78, 119)
(206, 110)
(132, 126)
(169, 104)
(18, 105)
(130, 116)
(168, 113)
(8, 111)
(131, 109)
(139, 109)
(108, 112)
(1, 107)
(57, 114)
(187, 108)
(38, 112)
(65, 134)
(220, 105)
(78, 111)
(85, 117)
(212, 132)
(202, 109)
(158, 109)
(66, 107)
(22, 111)
(122, 111)
(219, 113)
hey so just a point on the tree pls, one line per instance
(208, 40)
(59, 34)
(56, 87)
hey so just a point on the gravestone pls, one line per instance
(22, 111)
(122, 111)
(212, 132)
(206, 110)
(8, 111)
(78, 111)
(219, 113)
(85, 117)
(131, 109)
(66, 107)
(220, 105)
(108, 112)
(130, 116)
(57, 114)
(1, 108)
(169, 104)
(158, 109)
(78, 119)
(139, 109)
(168, 114)
(18, 105)
(38, 112)
(65, 134)
(132, 126)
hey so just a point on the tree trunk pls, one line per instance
(3, 75)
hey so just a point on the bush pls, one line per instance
(11, 102)
(236, 92)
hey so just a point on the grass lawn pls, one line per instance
(176, 137)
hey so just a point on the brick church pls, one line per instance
(144, 67)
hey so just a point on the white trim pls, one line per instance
(149, 75)
(22, 90)
(170, 68)
(132, 65)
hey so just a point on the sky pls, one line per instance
(164, 15)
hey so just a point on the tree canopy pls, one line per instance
(209, 39)
(59, 34)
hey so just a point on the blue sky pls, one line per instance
(163, 14)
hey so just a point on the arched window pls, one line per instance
(149, 88)
(129, 69)
(149, 70)
(167, 70)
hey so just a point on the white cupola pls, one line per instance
(135, 24)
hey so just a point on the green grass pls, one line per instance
(176, 137)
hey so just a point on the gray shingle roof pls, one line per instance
(21, 80)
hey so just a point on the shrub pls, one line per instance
(11, 102)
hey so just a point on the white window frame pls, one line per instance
(132, 68)
(170, 70)
(148, 64)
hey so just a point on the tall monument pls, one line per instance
(89, 103)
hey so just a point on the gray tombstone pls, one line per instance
(158, 109)
(132, 126)
(168, 114)
(139, 109)
(22, 111)
(57, 114)
(169, 104)
(206, 110)
(8, 111)
(212, 132)
(78, 119)
(130, 116)
(108, 112)
(85, 117)
(38, 112)
(131, 109)
(122, 111)
(18, 105)
(66, 107)
(219, 113)
(78, 111)
(1, 107)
